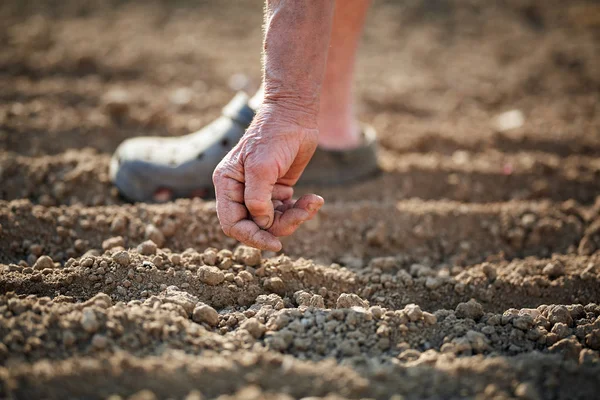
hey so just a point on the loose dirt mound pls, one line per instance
(470, 268)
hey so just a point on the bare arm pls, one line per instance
(254, 181)
(296, 40)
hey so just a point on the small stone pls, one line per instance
(121, 258)
(527, 391)
(89, 322)
(175, 259)
(210, 275)
(429, 318)
(377, 311)
(247, 255)
(254, 327)
(569, 348)
(181, 97)
(184, 299)
(118, 224)
(523, 322)
(349, 300)
(121, 291)
(43, 262)
(478, 341)
(210, 257)
(561, 330)
(116, 103)
(308, 299)
(471, 309)
(413, 312)
(194, 395)
(433, 283)
(560, 314)
(554, 270)
(36, 249)
(275, 285)
(587, 356)
(69, 338)
(509, 120)
(205, 314)
(113, 242)
(154, 234)
(147, 248)
(143, 395)
(99, 342)
(592, 340)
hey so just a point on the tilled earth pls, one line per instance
(470, 268)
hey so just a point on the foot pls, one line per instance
(156, 169)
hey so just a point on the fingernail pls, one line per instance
(262, 221)
(313, 207)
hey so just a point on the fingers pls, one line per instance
(288, 218)
(260, 180)
(232, 214)
(249, 233)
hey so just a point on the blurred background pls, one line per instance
(441, 76)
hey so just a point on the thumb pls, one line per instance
(260, 178)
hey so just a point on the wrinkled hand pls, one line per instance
(254, 182)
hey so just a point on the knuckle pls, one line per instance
(257, 205)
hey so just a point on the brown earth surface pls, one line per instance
(470, 268)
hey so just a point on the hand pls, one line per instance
(254, 182)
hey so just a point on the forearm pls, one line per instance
(297, 34)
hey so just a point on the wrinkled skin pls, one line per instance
(254, 182)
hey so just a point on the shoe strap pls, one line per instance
(239, 110)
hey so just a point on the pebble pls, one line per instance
(429, 318)
(154, 234)
(186, 300)
(471, 309)
(43, 262)
(36, 249)
(523, 322)
(569, 348)
(147, 248)
(247, 255)
(561, 330)
(509, 120)
(254, 327)
(210, 257)
(205, 314)
(99, 342)
(113, 242)
(87, 262)
(89, 322)
(349, 300)
(560, 314)
(275, 285)
(118, 224)
(413, 312)
(69, 338)
(554, 270)
(210, 275)
(527, 391)
(175, 259)
(121, 258)
(592, 340)
(308, 299)
(116, 103)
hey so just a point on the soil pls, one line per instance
(469, 268)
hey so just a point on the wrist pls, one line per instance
(291, 107)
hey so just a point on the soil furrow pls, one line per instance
(81, 177)
(429, 231)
